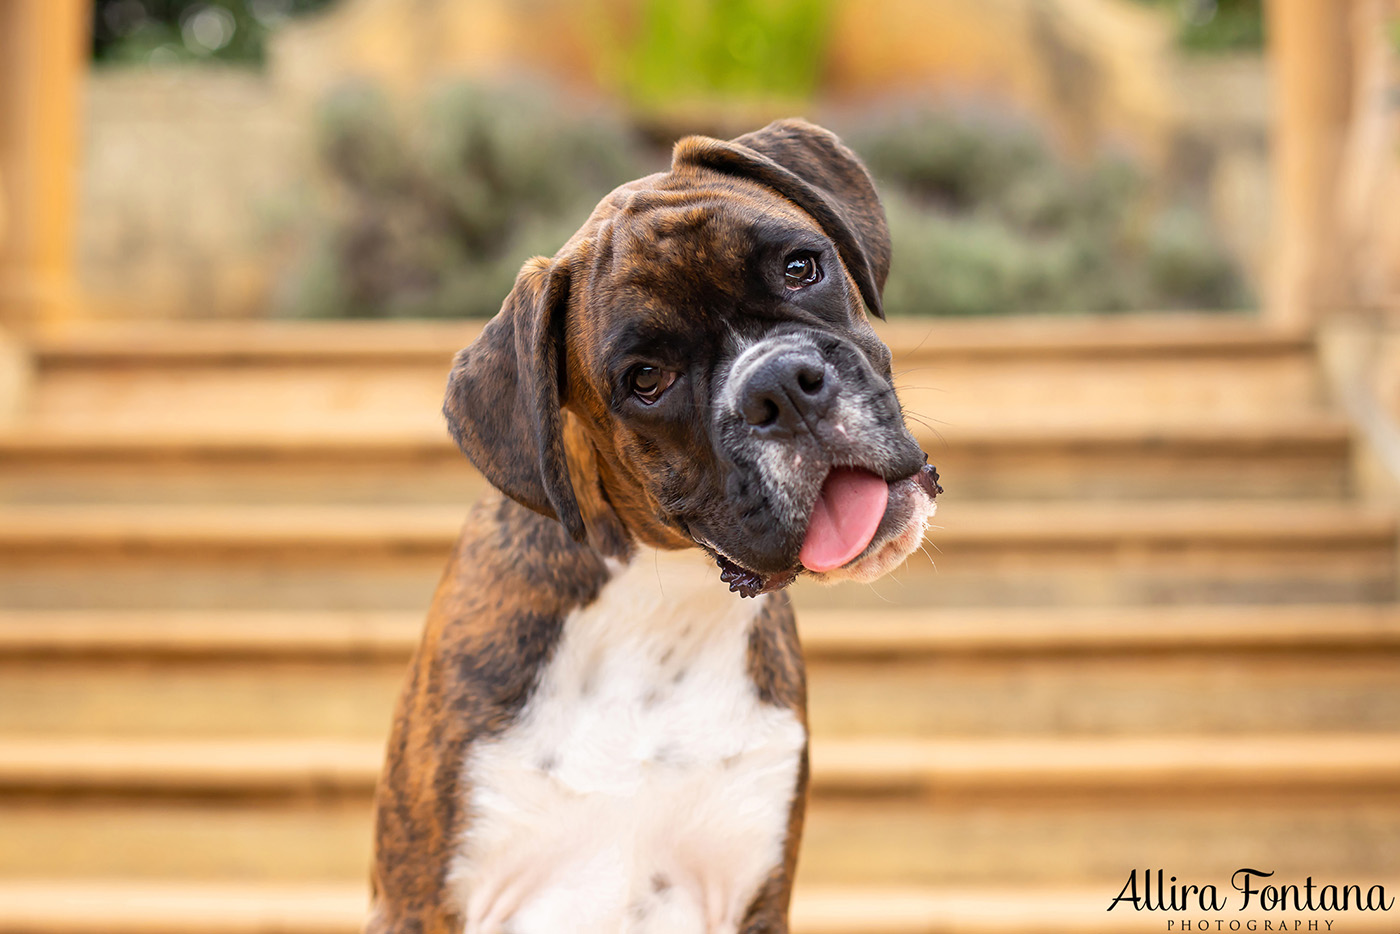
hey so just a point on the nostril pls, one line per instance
(810, 380)
(761, 412)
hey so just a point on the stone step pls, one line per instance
(964, 812)
(863, 766)
(872, 634)
(1304, 458)
(389, 557)
(42, 906)
(1086, 336)
(954, 672)
(349, 376)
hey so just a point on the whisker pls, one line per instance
(927, 423)
(877, 593)
(924, 339)
(941, 421)
(938, 434)
(913, 369)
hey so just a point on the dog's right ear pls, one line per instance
(505, 396)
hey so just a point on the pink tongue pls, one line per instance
(844, 520)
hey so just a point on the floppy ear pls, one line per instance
(812, 168)
(505, 393)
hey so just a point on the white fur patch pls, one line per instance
(645, 787)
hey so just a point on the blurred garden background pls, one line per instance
(1145, 317)
(372, 158)
(314, 158)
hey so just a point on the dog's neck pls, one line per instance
(673, 576)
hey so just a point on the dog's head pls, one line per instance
(697, 366)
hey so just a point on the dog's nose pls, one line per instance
(787, 393)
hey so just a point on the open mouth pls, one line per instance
(854, 516)
(844, 519)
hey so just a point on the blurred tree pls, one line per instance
(689, 51)
(986, 219)
(1217, 25)
(431, 214)
(160, 31)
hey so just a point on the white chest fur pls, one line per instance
(645, 787)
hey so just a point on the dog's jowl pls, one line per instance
(685, 407)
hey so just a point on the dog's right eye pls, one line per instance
(649, 382)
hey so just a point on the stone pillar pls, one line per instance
(43, 57)
(1311, 63)
(1370, 172)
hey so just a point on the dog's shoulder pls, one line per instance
(513, 579)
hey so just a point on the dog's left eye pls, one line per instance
(649, 382)
(801, 270)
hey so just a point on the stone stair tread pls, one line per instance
(1302, 430)
(877, 631)
(1183, 520)
(140, 906)
(1099, 629)
(1035, 335)
(864, 764)
(281, 439)
(1189, 398)
(118, 906)
(979, 523)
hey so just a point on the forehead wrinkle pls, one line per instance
(675, 207)
(645, 334)
(673, 248)
(603, 251)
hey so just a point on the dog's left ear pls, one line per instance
(811, 167)
(505, 396)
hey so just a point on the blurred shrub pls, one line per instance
(1217, 25)
(687, 51)
(165, 31)
(985, 219)
(434, 216)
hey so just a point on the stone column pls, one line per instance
(1311, 64)
(43, 57)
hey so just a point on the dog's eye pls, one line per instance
(649, 382)
(801, 270)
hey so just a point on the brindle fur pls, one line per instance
(496, 616)
(668, 261)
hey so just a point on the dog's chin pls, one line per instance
(901, 531)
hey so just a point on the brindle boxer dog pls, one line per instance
(597, 735)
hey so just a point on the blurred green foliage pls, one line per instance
(688, 51)
(167, 31)
(1217, 25)
(434, 217)
(986, 219)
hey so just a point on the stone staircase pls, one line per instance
(1161, 631)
